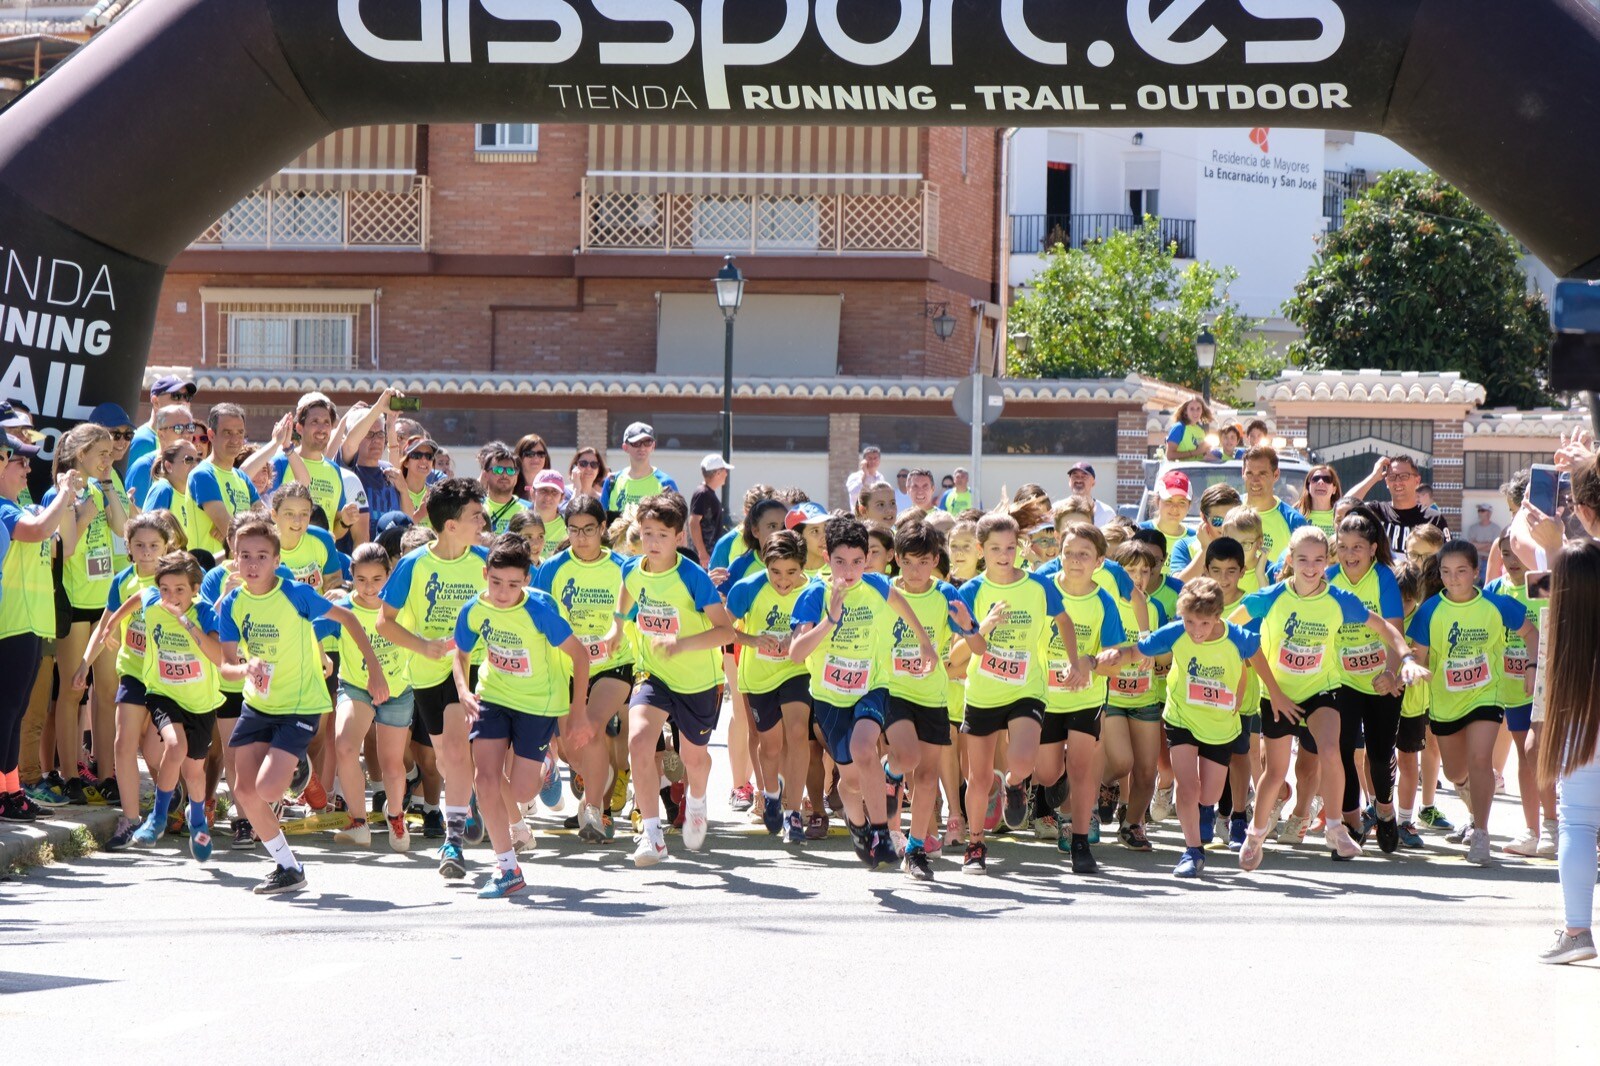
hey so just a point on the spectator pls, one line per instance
(920, 490)
(1484, 533)
(902, 496)
(165, 392)
(1425, 499)
(707, 522)
(865, 476)
(1404, 511)
(1082, 479)
(174, 423)
(958, 497)
(627, 487)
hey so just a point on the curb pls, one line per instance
(20, 841)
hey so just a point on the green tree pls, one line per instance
(1421, 278)
(1122, 306)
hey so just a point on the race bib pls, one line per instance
(98, 562)
(1366, 659)
(847, 677)
(1009, 667)
(1211, 694)
(778, 656)
(658, 620)
(1056, 679)
(1131, 683)
(595, 648)
(911, 664)
(1517, 662)
(133, 638)
(264, 686)
(1466, 674)
(512, 661)
(177, 668)
(309, 575)
(1299, 658)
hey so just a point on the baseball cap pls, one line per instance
(1174, 483)
(1081, 468)
(12, 416)
(1482, 507)
(418, 445)
(168, 385)
(805, 514)
(110, 415)
(549, 479)
(21, 447)
(712, 463)
(638, 431)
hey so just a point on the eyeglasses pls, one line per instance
(503, 471)
(1321, 479)
(182, 427)
(122, 434)
(643, 442)
(583, 531)
(587, 464)
(1401, 475)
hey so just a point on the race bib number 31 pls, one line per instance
(1207, 694)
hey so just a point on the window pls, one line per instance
(508, 137)
(1490, 470)
(287, 341)
(1143, 178)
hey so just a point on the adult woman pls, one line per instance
(533, 459)
(415, 471)
(1321, 493)
(170, 489)
(587, 473)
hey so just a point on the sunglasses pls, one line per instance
(1216, 520)
(6, 455)
(533, 455)
(422, 455)
(586, 464)
(1321, 479)
(122, 434)
(189, 460)
(182, 427)
(503, 471)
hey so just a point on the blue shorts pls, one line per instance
(395, 711)
(286, 732)
(838, 724)
(1519, 719)
(530, 734)
(767, 707)
(130, 690)
(692, 714)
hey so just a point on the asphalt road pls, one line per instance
(753, 953)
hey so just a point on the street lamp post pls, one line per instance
(729, 285)
(1205, 353)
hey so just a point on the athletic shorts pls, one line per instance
(1275, 728)
(693, 714)
(130, 690)
(91, 615)
(1477, 714)
(987, 721)
(232, 705)
(1413, 734)
(1519, 719)
(838, 724)
(767, 707)
(1151, 713)
(332, 680)
(623, 673)
(530, 734)
(1057, 724)
(165, 711)
(1221, 754)
(1250, 724)
(431, 702)
(931, 723)
(396, 711)
(286, 732)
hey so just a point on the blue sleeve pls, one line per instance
(205, 617)
(466, 636)
(1274, 573)
(1512, 613)
(878, 583)
(667, 484)
(951, 598)
(1162, 641)
(605, 491)
(1258, 603)
(1175, 433)
(544, 577)
(1160, 612)
(1052, 595)
(10, 515)
(211, 584)
(398, 587)
(698, 582)
(114, 594)
(280, 470)
(148, 597)
(310, 603)
(255, 494)
(203, 487)
(546, 616)
(1354, 611)
(1291, 517)
(159, 498)
(1390, 605)
(969, 595)
(227, 630)
(1120, 576)
(1111, 631)
(1421, 622)
(741, 567)
(1183, 553)
(743, 594)
(1247, 641)
(1051, 568)
(137, 483)
(808, 608)
(324, 627)
(334, 563)
(722, 551)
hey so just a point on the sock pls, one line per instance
(878, 827)
(197, 814)
(1208, 823)
(890, 774)
(1080, 840)
(12, 782)
(652, 829)
(696, 804)
(506, 860)
(858, 832)
(770, 795)
(163, 805)
(426, 807)
(455, 824)
(278, 848)
(1405, 815)
(1240, 817)
(914, 844)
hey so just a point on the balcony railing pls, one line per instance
(1031, 234)
(336, 219)
(765, 223)
(304, 363)
(1339, 186)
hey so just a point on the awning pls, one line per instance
(749, 160)
(363, 158)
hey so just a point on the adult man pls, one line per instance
(1081, 477)
(500, 479)
(959, 497)
(165, 392)
(1278, 519)
(366, 451)
(173, 423)
(706, 521)
(1405, 512)
(902, 498)
(215, 485)
(314, 417)
(865, 476)
(625, 488)
(920, 489)
(1483, 535)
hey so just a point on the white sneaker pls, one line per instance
(694, 829)
(1499, 784)
(1567, 949)
(1161, 804)
(648, 852)
(521, 837)
(1547, 839)
(591, 828)
(1526, 844)
(897, 840)
(1337, 836)
(399, 834)
(1292, 831)
(360, 835)
(1479, 850)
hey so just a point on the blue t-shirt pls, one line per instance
(137, 482)
(144, 443)
(382, 496)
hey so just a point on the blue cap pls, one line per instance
(804, 514)
(110, 415)
(21, 447)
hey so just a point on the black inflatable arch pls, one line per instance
(117, 160)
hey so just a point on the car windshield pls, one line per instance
(1291, 478)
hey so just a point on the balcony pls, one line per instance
(772, 224)
(1339, 186)
(1031, 234)
(335, 219)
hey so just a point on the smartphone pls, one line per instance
(1547, 488)
(405, 403)
(1539, 585)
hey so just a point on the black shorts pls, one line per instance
(987, 721)
(1221, 754)
(232, 705)
(1477, 714)
(1057, 724)
(286, 732)
(196, 727)
(130, 690)
(1275, 728)
(623, 673)
(530, 734)
(332, 680)
(80, 615)
(693, 714)
(432, 701)
(1413, 735)
(931, 723)
(767, 707)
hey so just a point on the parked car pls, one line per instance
(1292, 470)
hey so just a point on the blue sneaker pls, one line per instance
(451, 865)
(1434, 818)
(794, 829)
(474, 831)
(1191, 864)
(1238, 826)
(550, 794)
(150, 830)
(502, 884)
(772, 813)
(1409, 837)
(1369, 818)
(199, 839)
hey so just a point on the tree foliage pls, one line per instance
(1123, 305)
(1421, 278)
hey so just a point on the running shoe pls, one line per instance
(1369, 818)
(122, 835)
(1567, 948)
(1094, 828)
(881, 851)
(1019, 801)
(619, 790)
(1109, 795)
(861, 843)
(521, 837)
(794, 829)
(1292, 831)
(817, 826)
(897, 840)
(1460, 834)
(772, 813)
(997, 791)
(1499, 784)
(47, 792)
(12, 808)
(916, 865)
(933, 845)
(590, 829)
(1388, 833)
(281, 880)
(743, 797)
(103, 793)
(432, 824)
(1480, 851)
(199, 838)
(694, 829)
(1046, 827)
(1251, 851)
(474, 831)
(1548, 839)
(1434, 818)
(149, 831)
(550, 794)
(357, 833)
(608, 826)
(1161, 804)
(244, 838)
(1083, 859)
(1409, 837)
(976, 859)
(451, 865)
(1238, 828)
(1064, 836)
(502, 883)
(955, 830)
(674, 798)
(399, 833)
(315, 796)
(648, 852)
(1191, 864)
(577, 785)
(1526, 844)
(1133, 838)
(1341, 844)
(73, 789)
(834, 802)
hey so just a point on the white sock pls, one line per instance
(697, 804)
(506, 860)
(1405, 815)
(652, 829)
(278, 848)
(770, 795)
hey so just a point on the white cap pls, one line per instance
(712, 463)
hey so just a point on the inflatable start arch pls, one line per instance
(117, 160)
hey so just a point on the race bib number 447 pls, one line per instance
(847, 677)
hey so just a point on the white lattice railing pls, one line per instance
(774, 224)
(336, 219)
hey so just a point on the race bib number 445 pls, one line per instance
(1010, 667)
